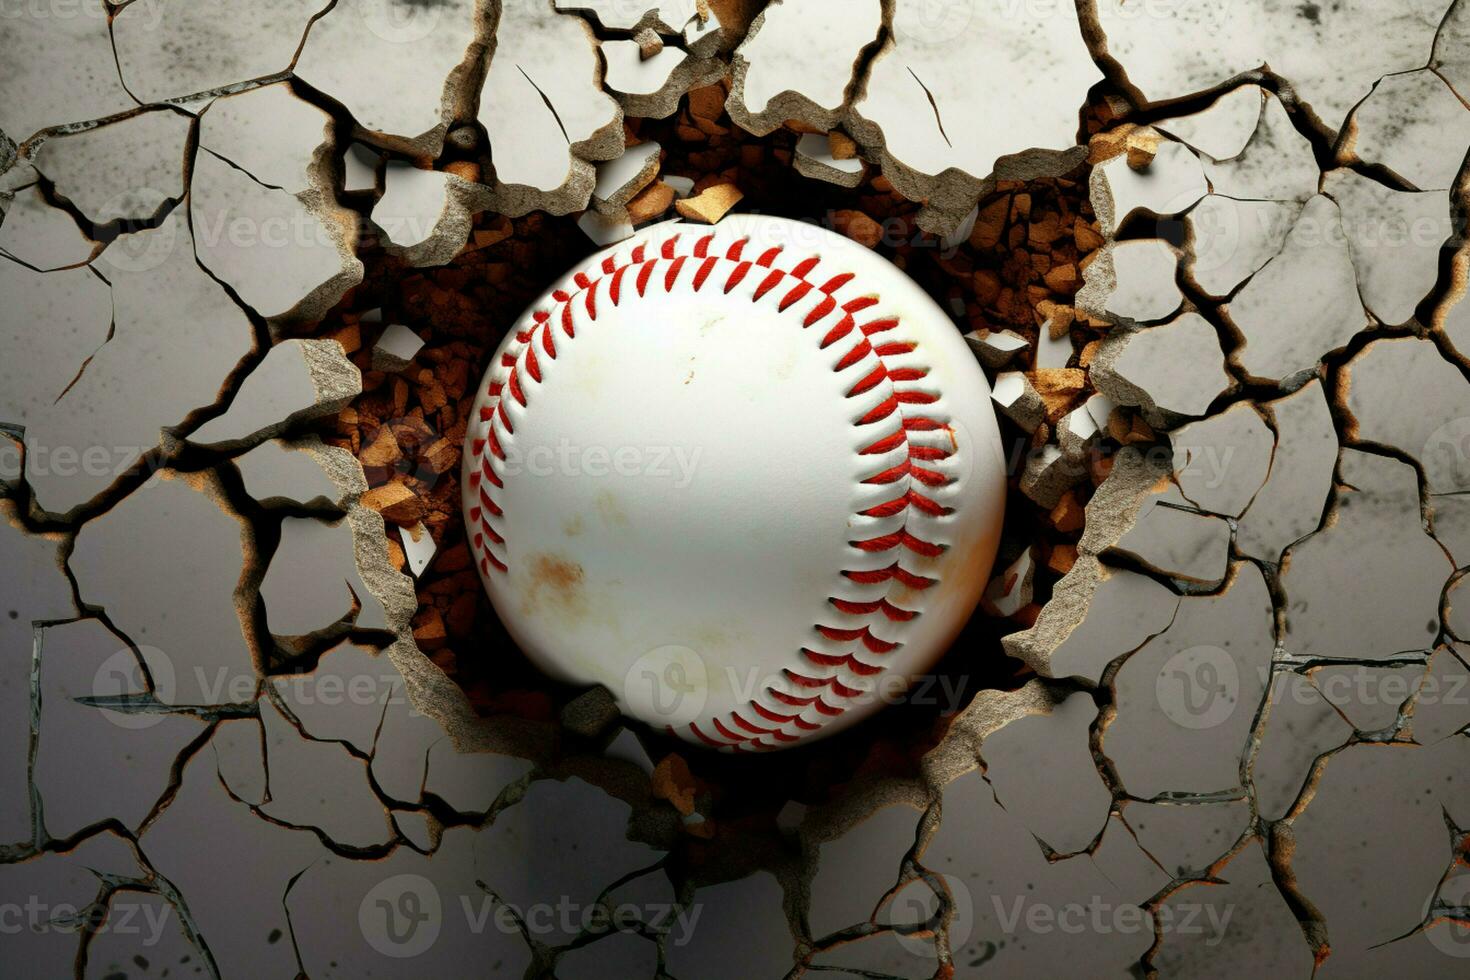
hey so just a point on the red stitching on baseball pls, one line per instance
(900, 540)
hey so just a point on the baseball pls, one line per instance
(746, 477)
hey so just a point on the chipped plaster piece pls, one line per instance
(360, 51)
(1018, 399)
(360, 166)
(603, 230)
(125, 170)
(418, 547)
(1304, 303)
(1011, 589)
(1401, 393)
(1367, 586)
(996, 348)
(1048, 474)
(709, 205)
(1394, 238)
(934, 98)
(1173, 371)
(1172, 184)
(297, 380)
(426, 214)
(1230, 240)
(1132, 282)
(544, 110)
(1290, 504)
(621, 179)
(396, 348)
(814, 159)
(1414, 126)
(798, 62)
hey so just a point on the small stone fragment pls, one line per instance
(710, 205)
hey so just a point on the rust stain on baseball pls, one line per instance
(557, 582)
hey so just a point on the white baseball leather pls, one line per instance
(747, 477)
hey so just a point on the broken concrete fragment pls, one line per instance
(1048, 474)
(545, 112)
(651, 87)
(271, 133)
(1394, 238)
(649, 43)
(1291, 503)
(396, 349)
(934, 100)
(621, 179)
(733, 911)
(814, 159)
(1188, 838)
(652, 203)
(168, 50)
(995, 348)
(313, 584)
(36, 592)
(425, 214)
(1367, 586)
(603, 230)
(298, 380)
(856, 868)
(166, 540)
(1132, 282)
(1297, 727)
(359, 50)
(418, 547)
(798, 62)
(1015, 396)
(1009, 591)
(589, 714)
(710, 204)
(1304, 303)
(1172, 184)
(60, 69)
(1173, 371)
(123, 171)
